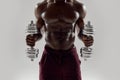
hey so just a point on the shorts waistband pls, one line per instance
(49, 49)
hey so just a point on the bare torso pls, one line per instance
(60, 19)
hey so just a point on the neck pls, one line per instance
(59, 0)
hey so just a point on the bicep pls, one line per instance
(39, 21)
(36, 12)
(82, 13)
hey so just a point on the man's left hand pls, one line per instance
(87, 40)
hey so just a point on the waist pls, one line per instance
(59, 51)
(59, 42)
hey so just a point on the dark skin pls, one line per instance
(60, 19)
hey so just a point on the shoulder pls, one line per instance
(80, 8)
(40, 7)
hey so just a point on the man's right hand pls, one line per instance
(30, 40)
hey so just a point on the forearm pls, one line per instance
(39, 25)
(80, 33)
(37, 36)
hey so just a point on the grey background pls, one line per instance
(16, 14)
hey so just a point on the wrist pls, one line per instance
(37, 36)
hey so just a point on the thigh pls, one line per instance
(49, 69)
(71, 68)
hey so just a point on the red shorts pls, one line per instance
(60, 65)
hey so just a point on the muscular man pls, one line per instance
(60, 19)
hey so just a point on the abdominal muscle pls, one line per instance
(58, 39)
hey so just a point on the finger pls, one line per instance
(30, 44)
(89, 41)
(89, 44)
(29, 40)
(30, 37)
(88, 38)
